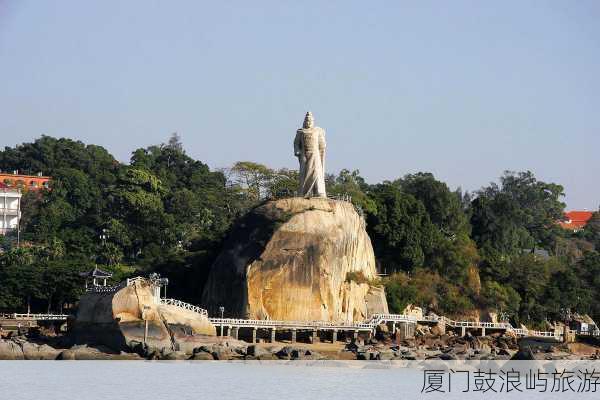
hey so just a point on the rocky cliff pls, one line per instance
(297, 259)
(117, 319)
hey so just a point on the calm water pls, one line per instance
(200, 380)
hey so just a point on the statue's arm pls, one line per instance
(297, 145)
(322, 145)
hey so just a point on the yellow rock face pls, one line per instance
(297, 259)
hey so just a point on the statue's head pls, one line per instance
(309, 121)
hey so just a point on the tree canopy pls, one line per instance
(499, 248)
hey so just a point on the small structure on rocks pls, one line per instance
(133, 313)
(96, 277)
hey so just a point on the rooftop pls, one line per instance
(16, 174)
(576, 219)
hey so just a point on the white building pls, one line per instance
(10, 209)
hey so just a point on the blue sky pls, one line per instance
(462, 89)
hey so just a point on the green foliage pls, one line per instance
(166, 212)
(500, 298)
(38, 276)
(428, 290)
(283, 183)
(135, 216)
(399, 293)
(357, 277)
(354, 185)
(519, 214)
(401, 230)
(253, 178)
(453, 251)
(591, 232)
(443, 206)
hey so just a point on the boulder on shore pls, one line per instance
(118, 320)
(10, 350)
(19, 348)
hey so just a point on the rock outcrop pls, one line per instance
(297, 259)
(118, 320)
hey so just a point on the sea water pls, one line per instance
(179, 380)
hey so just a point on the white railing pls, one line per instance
(379, 318)
(181, 304)
(491, 325)
(131, 281)
(104, 289)
(270, 323)
(374, 321)
(478, 324)
(369, 324)
(341, 197)
(40, 317)
(115, 288)
(430, 318)
(589, 333)
(542, 333)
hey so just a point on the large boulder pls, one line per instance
(118, 320)
(32, 351)
(297, 259)
(9, 350)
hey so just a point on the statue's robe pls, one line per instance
(309, 146)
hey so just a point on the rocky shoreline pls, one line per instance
(422, 347)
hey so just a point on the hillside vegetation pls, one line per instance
(448, 251)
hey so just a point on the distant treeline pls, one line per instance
(497, 249)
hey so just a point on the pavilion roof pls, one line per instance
(96, 273)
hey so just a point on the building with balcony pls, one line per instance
(10, 208)
(15, 180)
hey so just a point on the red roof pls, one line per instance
(576, 219)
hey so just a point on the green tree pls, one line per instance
(500, 298)
(253, 178)
(454, 252)
(400, 230)
(444, 207)
(519, 214)
(137, 199)
(283, 183)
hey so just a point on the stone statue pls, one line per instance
(309, 147)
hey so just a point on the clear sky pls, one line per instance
(465, 90)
